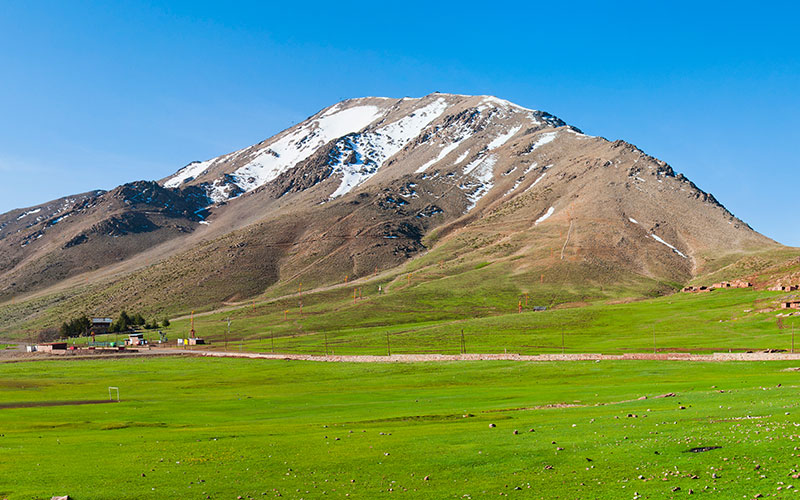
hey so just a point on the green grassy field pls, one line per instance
(738, 320)
(224, 428)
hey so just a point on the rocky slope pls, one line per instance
(366, 184)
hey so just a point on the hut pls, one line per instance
(51, 347)
(100, 326)
(135, 339)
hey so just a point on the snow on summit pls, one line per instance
(266, 164)
(365, 134)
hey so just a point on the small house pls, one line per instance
(100, 326)
(51, 347)
(790, 304)
(136, 339)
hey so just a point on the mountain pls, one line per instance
(364, 186)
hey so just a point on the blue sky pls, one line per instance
(95, 94)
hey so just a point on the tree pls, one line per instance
(138, 320)
(165, 323)
(75, 327)
(122, 324)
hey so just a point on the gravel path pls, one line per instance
(420, 358)
(11, 357)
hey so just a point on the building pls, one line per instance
(51, 347)
(100, 326)
(136, 339)
(790, 304)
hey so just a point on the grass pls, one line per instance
(735, 320)
(221, 428)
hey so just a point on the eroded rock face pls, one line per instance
(367, 184)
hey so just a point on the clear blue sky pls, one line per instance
(95, 94)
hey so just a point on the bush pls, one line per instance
(48, 335)
(165, 323)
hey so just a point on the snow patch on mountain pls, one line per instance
(670, 246)
(445, 151)
(29, 212)
(188, 173)
(545, 216)
(503, 138)
(543, 139)
(480, 179)
(361, 155)
(285, 153)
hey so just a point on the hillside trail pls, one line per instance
(232, 306)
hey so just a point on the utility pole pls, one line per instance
(272, 339)
(563, 346)
(463, 343)
(654, 340)
(326, 343)
(388, 347)
(792, 338)
(227, 333)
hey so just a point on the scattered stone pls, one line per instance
(548, 467)
(677, 488)
(516, 432)
(426, 478)
(65, 497)
(492, 426)
(703, 449)
(681, 407)
(531, 430)
(559, 449)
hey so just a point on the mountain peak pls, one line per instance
(369, 131)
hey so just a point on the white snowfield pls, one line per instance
(29, 212)
(363, 147)
(543, 139)
(481, 173)
(188, 173)
(286, 152)
(667, 244)
(445, 151)
(504, 138)
(372, 149)
(544, 217)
